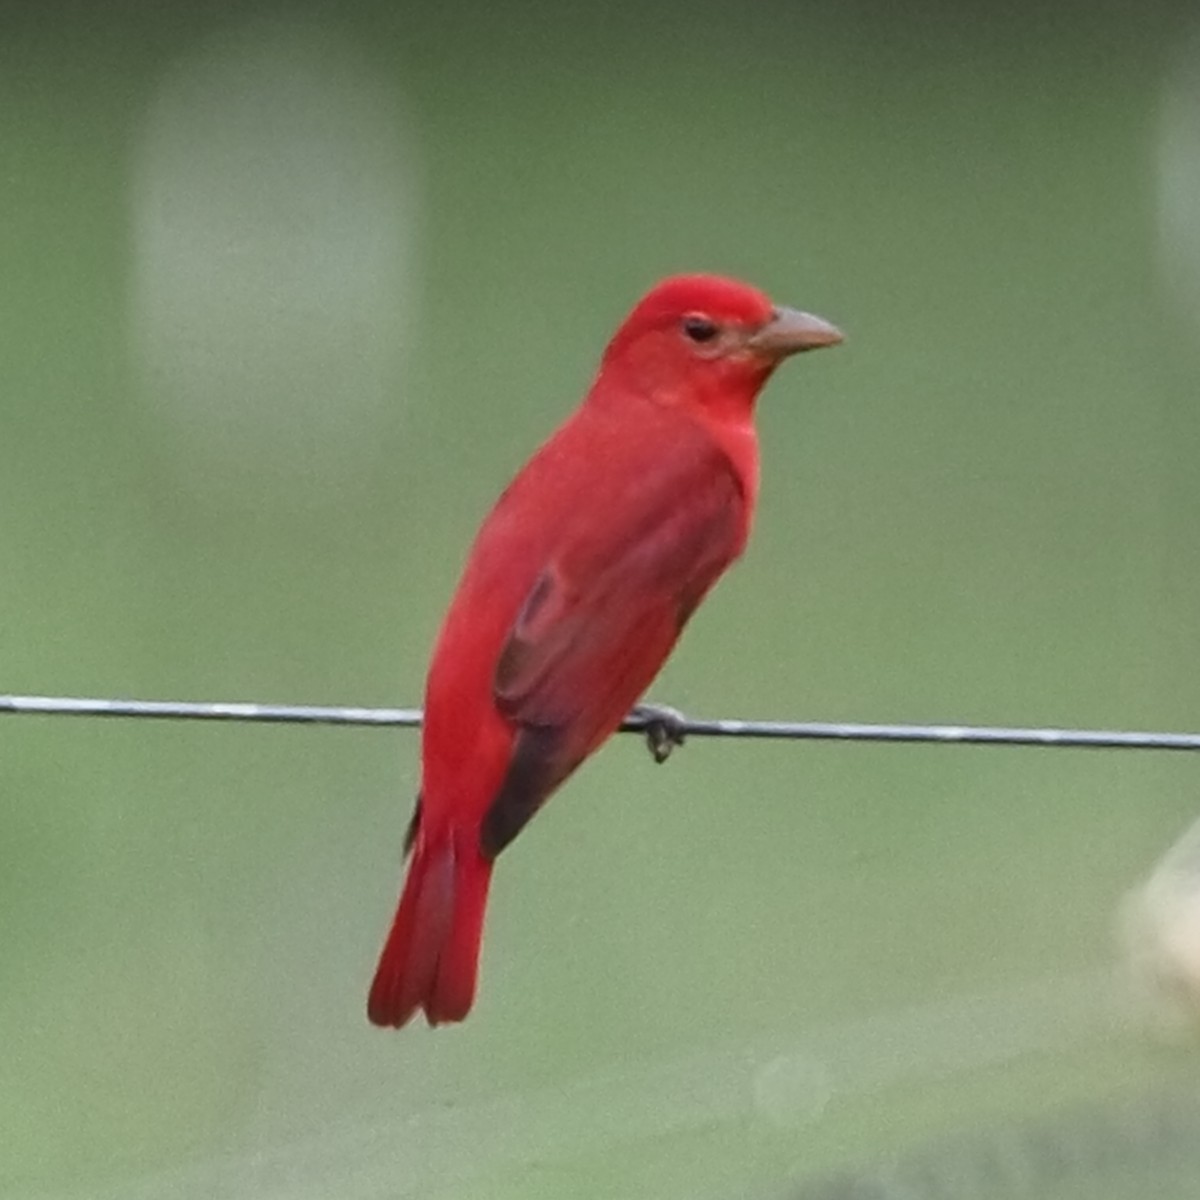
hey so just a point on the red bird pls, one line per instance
(574, 593)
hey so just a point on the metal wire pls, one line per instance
(847, 731)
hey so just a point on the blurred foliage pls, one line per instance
(982, 508)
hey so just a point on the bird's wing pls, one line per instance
(602, 616)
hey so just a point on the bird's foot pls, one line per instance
(665, 728)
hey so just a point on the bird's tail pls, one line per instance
(431, 955)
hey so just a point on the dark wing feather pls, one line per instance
(600, 620)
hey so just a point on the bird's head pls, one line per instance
(708, 341)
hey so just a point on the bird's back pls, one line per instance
(607, 478)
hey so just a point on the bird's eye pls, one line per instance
(699, 329)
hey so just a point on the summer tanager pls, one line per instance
(574, 593)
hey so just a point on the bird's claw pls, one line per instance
(665, 729)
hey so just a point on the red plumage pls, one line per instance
(576, 588)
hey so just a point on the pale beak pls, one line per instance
(790, 331)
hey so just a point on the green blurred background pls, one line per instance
(289, 293)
